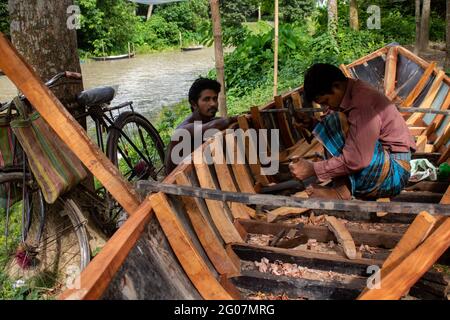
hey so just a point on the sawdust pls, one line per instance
(293, 270)
(269, 296)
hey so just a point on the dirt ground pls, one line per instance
(436, 52)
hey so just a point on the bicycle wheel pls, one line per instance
(136, 148)
(41, 250)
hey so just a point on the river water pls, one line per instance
(150, 81)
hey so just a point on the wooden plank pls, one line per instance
(216, 209)
(390, 73)
(287, 211)
(437, 121)
(196, 269)
(416, 131)
(368, 57)
(238, 210)
(343, 236)
(66, 127)
(345, 71)
(411, 56)
(412, 96)
(251, 148)
(96, 277)
(322, 234)
(413, 237)
(212, 245)
(443, 139)
(426, 103)
(444, 157)
(404, 275)
(421, 143)
(408, 208)
(242, 176)
(285, 131)
(382, 213)
(296, 100)
(257, 120)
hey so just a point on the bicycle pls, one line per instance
(132, 144)
(45, 249)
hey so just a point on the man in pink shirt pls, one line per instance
(366, 137)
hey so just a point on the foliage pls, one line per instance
(4, 17)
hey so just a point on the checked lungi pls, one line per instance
(387, 173)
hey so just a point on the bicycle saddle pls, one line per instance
(96, 96)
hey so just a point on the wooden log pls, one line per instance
(413, 237)
(217, 209)
(390, 73)
(404, 275)
(196, 269)
(212, 245)
(95, 278)
(343, 236)
(66, 127)
(283, 201)
(412, 96)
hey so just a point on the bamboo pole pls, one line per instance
(220, 65)
(275, 58)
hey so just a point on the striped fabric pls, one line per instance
(54, 166)
(384, 177)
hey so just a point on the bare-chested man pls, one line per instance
(203, 97)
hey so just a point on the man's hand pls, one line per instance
(301, 169)
(303, 120)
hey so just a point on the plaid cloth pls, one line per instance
(385, 176)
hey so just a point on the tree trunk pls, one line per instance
(354, 22)
(39, 31)
(425, 26)
(447, 60)
(220, 64)
(259, 12)
(149, 12)
(332, 16)
(275, 56)
(417, 44)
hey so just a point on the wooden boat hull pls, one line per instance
(192, 48)
(178, 247)
(109, 58)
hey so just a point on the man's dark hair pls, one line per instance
(202, 84)
(319, 80)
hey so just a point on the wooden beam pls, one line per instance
(257, 120)
(207, 285)
(343, 236)
(96, 277)
(412, 96)
(65, 126)
(251, 148)
(403, 276)
(421, 143)
(409, 208)
(368, 57)
(212, 245)
(416, 131)
(217, 209)
(242, 176)
(437, 121)
(426, 103)
(413, 237)
(390, 73)
(345, 70)
(283, 125)
(226, 182)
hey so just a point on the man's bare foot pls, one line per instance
(320, 192)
